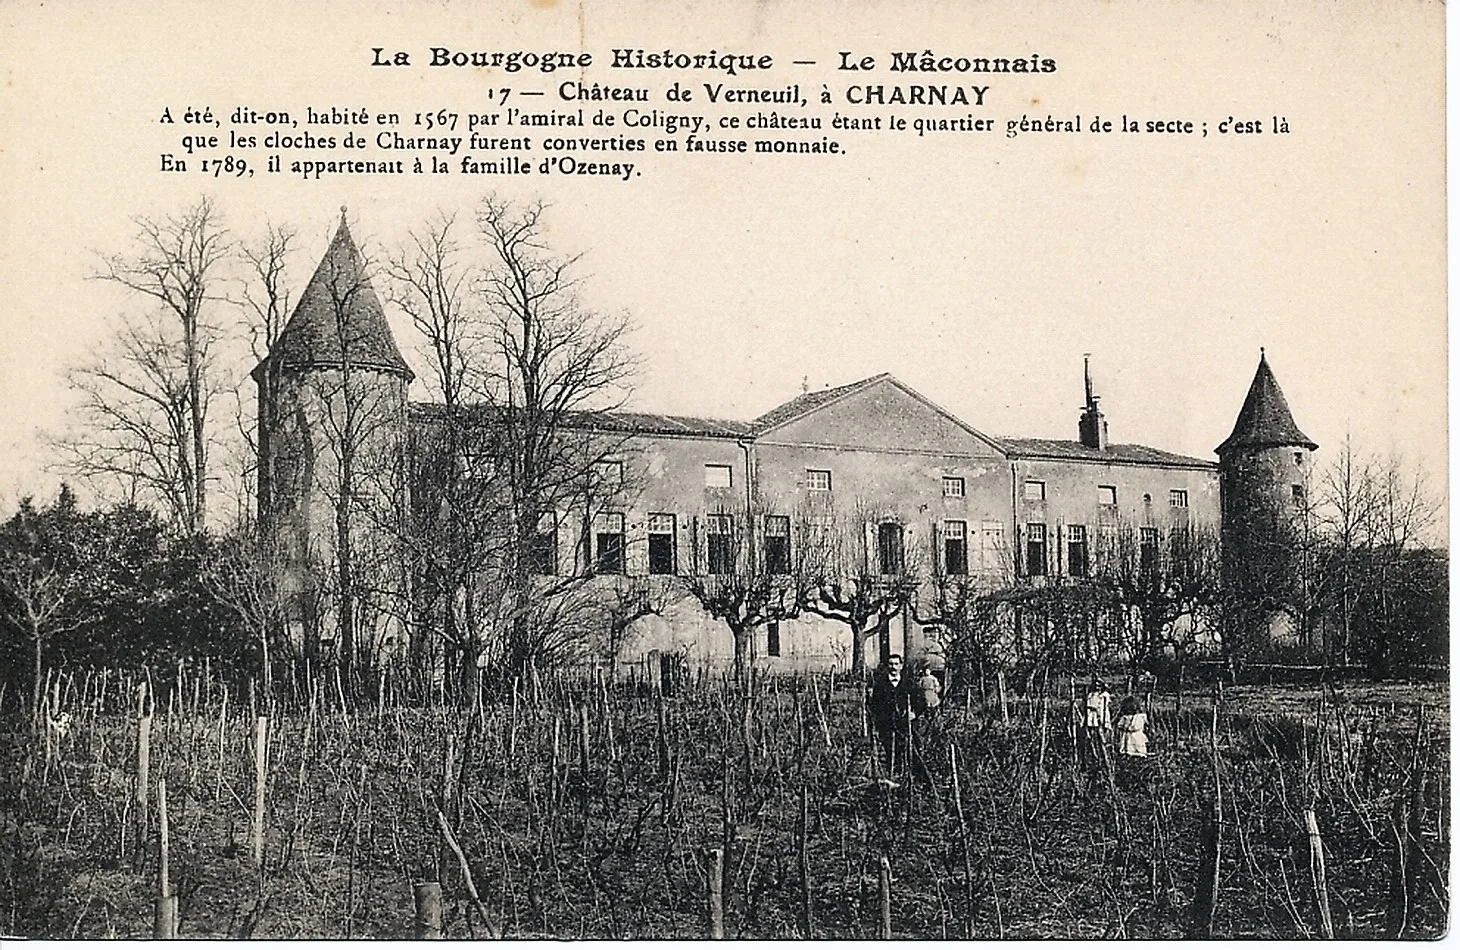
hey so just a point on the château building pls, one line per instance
(925, 492)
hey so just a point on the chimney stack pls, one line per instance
(1094, 433)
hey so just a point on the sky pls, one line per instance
(975, 268)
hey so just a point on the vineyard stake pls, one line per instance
(428, 910)
(144, 760)
(884, 898)
(716, 883)
(1320, 872)
(260, 776)
(164, 916)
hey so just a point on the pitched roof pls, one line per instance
(807, 402)
(316, 336)
(641, 423)
(1073, 450)
(1265, 420)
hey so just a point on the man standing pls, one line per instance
(890, 708)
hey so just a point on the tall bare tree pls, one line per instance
(859, 568)
(519, 451)
(732, 579)
(146, 397)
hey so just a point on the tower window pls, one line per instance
(773, 638)
(717, 476)
(1299, 496)
(1297, 458)
(889, 548)
(1035, 548)
(778, 544)
(955, 548)
(1178, 498)
(1106, 494)
(1033, 490)
(1079, 551)
(661, 543)
(952, 487)
(818, 479)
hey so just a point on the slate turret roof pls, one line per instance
(339, 315)
(1265, 420)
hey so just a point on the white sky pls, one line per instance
(975, 269)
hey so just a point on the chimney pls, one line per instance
(1094, 433)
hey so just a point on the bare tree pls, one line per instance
(246, 574)
(146, 398)
(519, 448)
(1347, 508)
(41, 579)
(732, 580)
(266, 306)
(857, 568)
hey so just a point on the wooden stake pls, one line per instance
(716, 876)
(428, 910)
(1003, 699)
(260, 777)
(1320, 873)
(144, 766)
(164, 911)
(884, 898)
(803, 865)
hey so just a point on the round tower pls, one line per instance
(332, 429)
(1264, 467)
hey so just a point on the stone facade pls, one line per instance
(916, 489)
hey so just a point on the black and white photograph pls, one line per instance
(589, 469)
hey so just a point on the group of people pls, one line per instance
(1127, 728)
(901, 703)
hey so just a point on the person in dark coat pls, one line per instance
(890, 707)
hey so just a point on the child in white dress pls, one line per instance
(1130, 728)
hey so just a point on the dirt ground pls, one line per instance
(993, 829)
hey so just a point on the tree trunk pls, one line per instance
(35, 683)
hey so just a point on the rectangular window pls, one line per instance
(1106, 494)
(955, 548)
(608, 543)
(720, 544)
(1178, 498)
(1078, 551)
(778, 544)
(773, 639)
(1298, 495)
(661, 543)
(1033, 490)
(952, 487)
(889, 548)
(542, 552)
(717, 476)
(1150, 549)
(818, 479)
(1036, 548)
(1297, 458)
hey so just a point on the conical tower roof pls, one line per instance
(339, 315)
(1265, 420)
